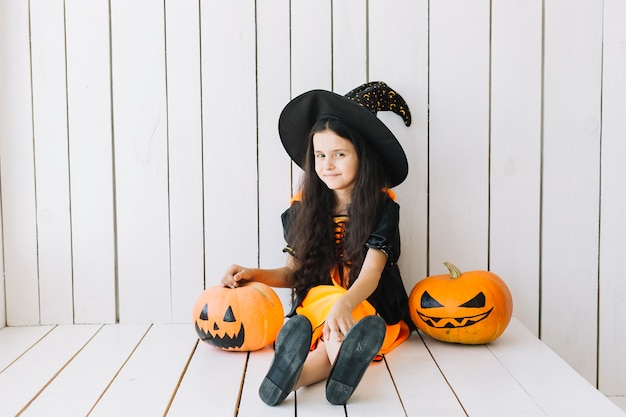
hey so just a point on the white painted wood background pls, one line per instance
(140, 157)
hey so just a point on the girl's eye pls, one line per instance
(319, 156)
(339, 154)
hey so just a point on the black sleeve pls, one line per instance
(287, 220)
(390, 297)
(386, 235)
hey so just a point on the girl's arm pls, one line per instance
(279, 277)
(339, 319)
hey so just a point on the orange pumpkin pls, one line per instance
(245, 318)
(470, 307)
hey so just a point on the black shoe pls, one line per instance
(357, 351)
(291, 349)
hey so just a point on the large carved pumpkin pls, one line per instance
(470, 307)
(245, 318)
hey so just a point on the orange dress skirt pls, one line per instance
(320, 299)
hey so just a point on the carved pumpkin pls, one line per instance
(246, 318)
(470, 307)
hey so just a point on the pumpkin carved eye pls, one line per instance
(476, 302)
(427, 301)
(229, 316)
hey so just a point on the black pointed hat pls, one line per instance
(358, 109)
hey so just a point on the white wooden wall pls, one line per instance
(139, 150)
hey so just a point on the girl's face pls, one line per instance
(336, 161)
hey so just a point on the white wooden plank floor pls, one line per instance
(157, 370)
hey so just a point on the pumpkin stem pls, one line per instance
(454, 271)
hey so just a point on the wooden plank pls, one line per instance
(184, 129)
(311, 46)
(17, 167)
(612, 366)
(516, 152)
(620, 401)
(3, 308)
(349, 40)
(311, 53)
(211, 383)
(375, 395)
(420, 383)
(75, 390)
(273, 88)
(311, 402)
(483, 385)
(91, 160)
(25, 378)
(406, 70)
(555, 386)
(17, 340)
(517, 372)
(229, 136)
(141, 166)
(459, 134)
(570, 196)
(47, 27)
(146, 383)
(251, 404)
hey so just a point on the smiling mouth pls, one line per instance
(223, 342)
(453, 322)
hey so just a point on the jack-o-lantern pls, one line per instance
(245, 318)
(470, 307)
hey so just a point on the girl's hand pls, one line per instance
(338, 321)
(235, 275)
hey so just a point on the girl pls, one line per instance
(343, 243)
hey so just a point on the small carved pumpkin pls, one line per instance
(470, 307)
(245, 318)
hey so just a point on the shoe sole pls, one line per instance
(291, 349)
(357, 351)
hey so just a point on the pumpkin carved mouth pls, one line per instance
(224, 342)
(453, 322)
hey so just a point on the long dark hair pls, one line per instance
(313, 238)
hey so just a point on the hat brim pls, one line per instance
(301, 113)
